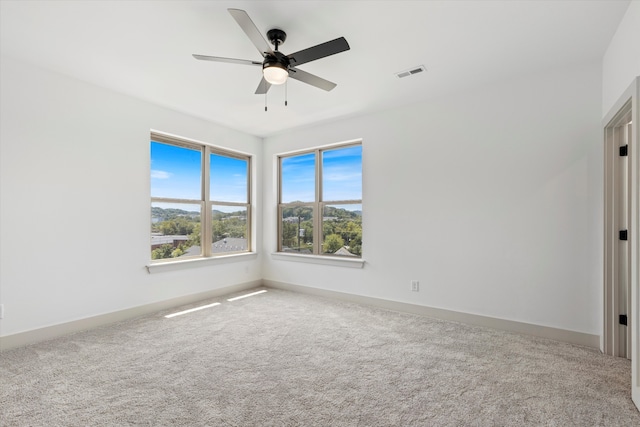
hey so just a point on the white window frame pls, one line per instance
(317, 205)
(206, 205)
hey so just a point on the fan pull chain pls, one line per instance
(286, 85)
(265, 101)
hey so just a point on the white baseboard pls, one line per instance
(41, 334)
(572, 337)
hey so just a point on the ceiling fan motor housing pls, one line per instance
(276, 60)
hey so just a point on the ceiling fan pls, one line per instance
(277, 67)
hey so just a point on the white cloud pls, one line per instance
(342, 176)
(157, 174)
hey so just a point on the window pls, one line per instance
(200, 200)
(320, 201)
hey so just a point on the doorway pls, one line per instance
(617, 265)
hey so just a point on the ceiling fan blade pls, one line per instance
(320, 51)
(263, 87)
(311, 79)
(231, 60)
(250, 29)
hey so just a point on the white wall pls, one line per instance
(491, 199)
(483, 197)
(75, 201)
(621, 62)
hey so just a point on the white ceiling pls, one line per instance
(143, 48)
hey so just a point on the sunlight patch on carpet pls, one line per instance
(247, 295)
(179, 313)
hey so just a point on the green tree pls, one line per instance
(329, 227)
(332, 243)
(236, 227)
(179, 225)
(194, 237)
(183, 226)
(167, 228)
(355, 244)
(307, 234)
(177, 252)
(162, 252)
(218, 230)
(289, 234)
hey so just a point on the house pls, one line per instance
(158, 240)
(228, 244)
(484, 180)
(343, 251)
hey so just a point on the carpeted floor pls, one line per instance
(286, 359)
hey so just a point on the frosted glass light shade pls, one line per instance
(275, 74)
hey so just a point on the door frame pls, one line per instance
(617, 341)
(632, 97)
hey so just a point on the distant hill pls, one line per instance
(305, 213)
(169, 214)
(341, 213)
(160, 214)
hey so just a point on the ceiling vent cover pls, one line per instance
(415, 70)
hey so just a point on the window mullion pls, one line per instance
(318, 176)
(317, 208)
(317, 227)
(280, 228)
(206, 225)
(174, 200)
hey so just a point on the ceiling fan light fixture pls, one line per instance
(275, 73)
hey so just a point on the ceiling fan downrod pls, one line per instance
(276, 37)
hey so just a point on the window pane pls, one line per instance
(175, 230)
(229, 229)
(298, 178)
(175, 172)
(342, 230)
(297, 229)
(342, 174)
(228, 179)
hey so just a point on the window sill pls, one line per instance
(316, 259)
(199, 262)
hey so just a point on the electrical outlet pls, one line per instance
(1, 311)
(415, 286)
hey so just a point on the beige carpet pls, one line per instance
(286, 359)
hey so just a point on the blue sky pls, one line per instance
(228, 179)
(176, 173)
(341, 175)
(298, 178)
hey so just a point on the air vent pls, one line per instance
(415, 70)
